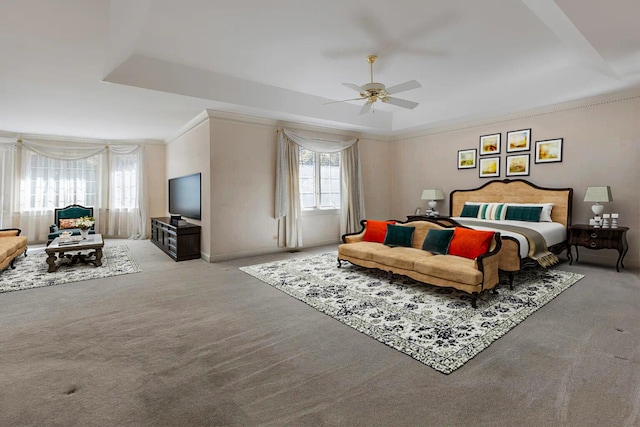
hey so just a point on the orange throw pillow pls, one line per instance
(376, 231)
(67, 223)
(469, 243)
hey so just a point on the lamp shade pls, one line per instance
(436, 194)
(598, 194)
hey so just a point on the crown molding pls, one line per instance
(16, 136)
(583, 103)
(267, 122)
(195, 122)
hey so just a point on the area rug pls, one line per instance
(31, 271)
(434, 325)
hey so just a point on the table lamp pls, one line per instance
(598, 195)
(432, 195)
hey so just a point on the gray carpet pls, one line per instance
(435, 325)
(193, 343)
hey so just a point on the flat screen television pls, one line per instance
(185, 196)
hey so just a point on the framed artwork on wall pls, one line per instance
(549, 151)
(490, 144)
(517, 165)
(489, 167)
(519, 140)
(467, 159)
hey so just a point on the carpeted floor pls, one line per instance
(193, 343)
(434, 325)
(31, 271)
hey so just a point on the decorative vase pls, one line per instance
(84, 233)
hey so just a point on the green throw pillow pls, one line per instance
(437, 241)
(470, 211)
(398, 235)
(524, 213)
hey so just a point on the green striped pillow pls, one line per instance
(494, 211)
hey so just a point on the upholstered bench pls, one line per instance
(12, 244)
(428, 254)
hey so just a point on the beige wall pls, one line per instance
(601, 147)
(155, 174)
(187, 154)
(237, 159)
(243, 164)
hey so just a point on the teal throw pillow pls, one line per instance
(524, 213)
(470, 211)
(437, 241)
(398, 235)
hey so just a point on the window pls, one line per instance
(51, 183)
(319, 180)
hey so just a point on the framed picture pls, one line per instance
(519, 140)
(467, 159)
(490, 144)
(517, 165)
(549, 151)
(489, 167)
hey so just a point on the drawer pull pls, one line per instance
(594, 235)
(592, 244)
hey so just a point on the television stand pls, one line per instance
(180, 242)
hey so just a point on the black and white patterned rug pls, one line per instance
(31, 271)
(434, 325)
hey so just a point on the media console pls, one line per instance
(180, 242)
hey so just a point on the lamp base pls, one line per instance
(597, 208)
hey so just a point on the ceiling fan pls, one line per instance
(372, 92)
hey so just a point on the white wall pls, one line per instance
(601, 147)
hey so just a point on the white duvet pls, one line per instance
(553, 232)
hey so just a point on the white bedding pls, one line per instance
(553, 232)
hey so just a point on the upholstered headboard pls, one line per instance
(516, 191)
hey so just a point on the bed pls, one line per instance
(524, 243)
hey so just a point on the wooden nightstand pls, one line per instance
(598, 238)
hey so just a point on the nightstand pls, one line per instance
(598, 238)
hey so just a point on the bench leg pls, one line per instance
(339, 263)
(474, 299)
(390, 276)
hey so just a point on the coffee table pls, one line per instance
(61, 250)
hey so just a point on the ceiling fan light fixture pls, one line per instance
(373, 91)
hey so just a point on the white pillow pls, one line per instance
(545, 214)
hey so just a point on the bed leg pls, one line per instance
(474, 299)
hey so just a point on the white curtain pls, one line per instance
(49, 175)
(288, 211)
(352, 203)
(7, 177)
(126, 212)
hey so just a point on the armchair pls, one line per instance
(63, 221)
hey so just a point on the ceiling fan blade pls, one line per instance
(412, 84)
(366, 107)
(400, 102)
(344, 100)
(354, 87)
